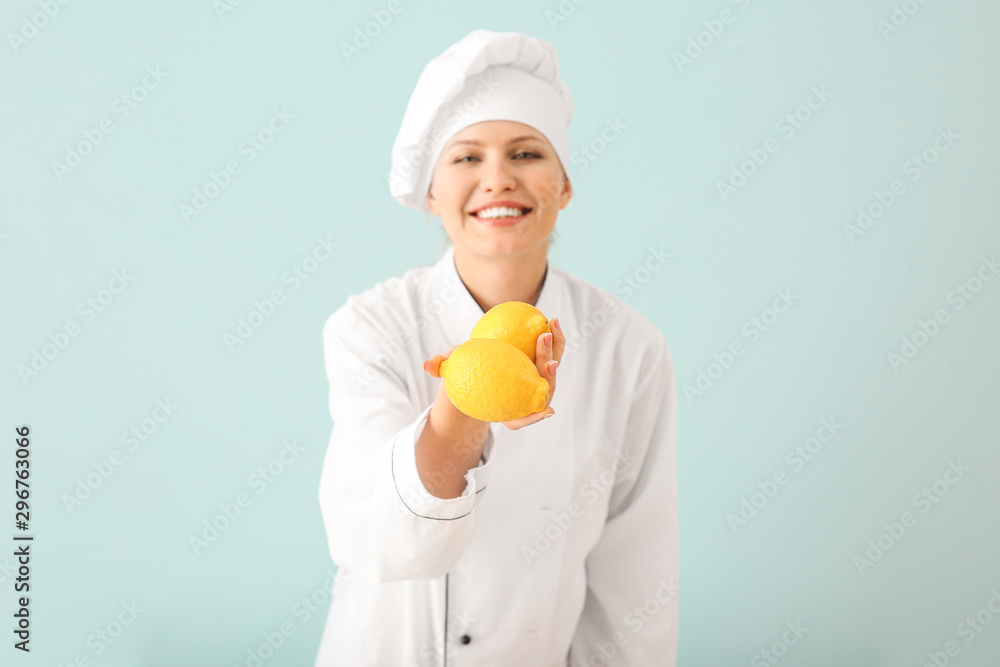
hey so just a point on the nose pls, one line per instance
(497, 175)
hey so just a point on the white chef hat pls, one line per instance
(484, 76)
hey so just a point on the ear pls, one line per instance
(431, 203)
(567, 192)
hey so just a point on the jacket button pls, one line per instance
(466, 639)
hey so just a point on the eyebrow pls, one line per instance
(479, 143)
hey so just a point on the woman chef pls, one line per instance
(466, 543)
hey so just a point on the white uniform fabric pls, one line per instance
(484, 76)
(563, 548)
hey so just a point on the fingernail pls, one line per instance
(548, 415)
(548, 340)
(555, 324)
(552, 367)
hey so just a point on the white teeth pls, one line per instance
(500, 212)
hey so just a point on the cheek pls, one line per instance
(547, 185)
(455, 195)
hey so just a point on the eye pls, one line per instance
(527, 154)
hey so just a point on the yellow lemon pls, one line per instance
(493, 381)
(514, 322)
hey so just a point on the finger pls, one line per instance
(433, 365)
(543, 352)
(551, 378)
(544, 363)
(558, 340)
(528, 420)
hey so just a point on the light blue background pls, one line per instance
(324, 176)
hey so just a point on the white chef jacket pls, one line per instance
(562, 550)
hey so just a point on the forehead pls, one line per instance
(495, 131)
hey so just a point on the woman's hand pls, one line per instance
(548, 352)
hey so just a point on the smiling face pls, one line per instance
(498, 187)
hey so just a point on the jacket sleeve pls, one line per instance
(379, 518)
(631, 606)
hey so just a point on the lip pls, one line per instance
(508, 203)
(501, 222)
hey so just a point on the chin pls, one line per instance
(506, 247)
